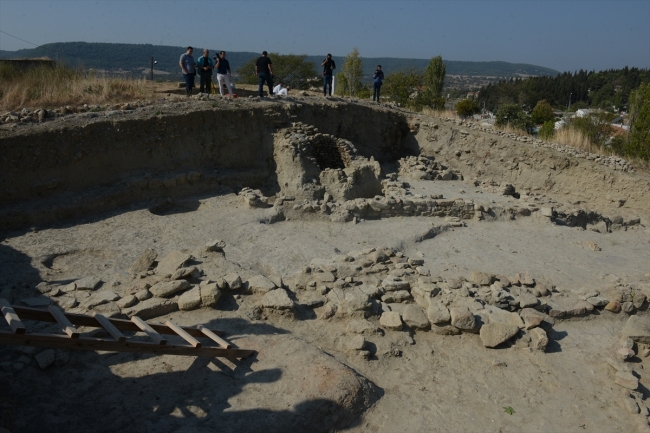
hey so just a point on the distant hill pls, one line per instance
(135, 58)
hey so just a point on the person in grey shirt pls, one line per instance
(189, 69)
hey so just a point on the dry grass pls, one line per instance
(48, 87)
(574, 137)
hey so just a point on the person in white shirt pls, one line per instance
(280, 90)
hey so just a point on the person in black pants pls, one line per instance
(205, 65)
(328, 68)
(378, 78)
(264, 72)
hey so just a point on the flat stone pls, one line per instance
(69, 288)
(190, 300)
(395, 284)
(527, 299)
(628, 307)
(260, 284)
(414, 317)
(183, 273)
(539, 339)
(598, 301)
(454, 283)
(462, 318)
(143, 295)
(88, 283)
(546, 212)
(361, 326)
(355, 301)
(526, 279)
(396, 296)
(169, 288)
(481, 278)
(626, 380)
(492, 314)
(638, 329)
(144, 262)
(39, 302)
(127, 301)
(533, 318)
(215, 245)
(445, 329)
(151, 308)
(171, 262)
(556, 311)
(613, 306)
(232, 281)
(210, 294)
(438, 313)
(391, 320)
(45, 358)
(277, 299)
(493, 334)
(311, 299)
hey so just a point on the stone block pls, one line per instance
(169, 288)
(493, 334)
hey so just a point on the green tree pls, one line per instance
(596, 127)
(434, 80)
(402, 87)
(547, 131)
(349, 79)
(466, 107)
(638, 143)
(543, 112)
(513, 115)
(292, 69)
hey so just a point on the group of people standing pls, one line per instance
(263, 71)
(205, 67)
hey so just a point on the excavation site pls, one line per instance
(313, 264)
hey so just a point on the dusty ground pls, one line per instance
(438, 383)
(304, 376)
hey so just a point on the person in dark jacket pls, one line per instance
(378, 78)
(264, 72)
(328, 68)
(205, 65)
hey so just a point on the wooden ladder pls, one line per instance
(119, 342)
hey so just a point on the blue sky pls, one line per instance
(564, 35)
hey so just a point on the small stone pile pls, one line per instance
(425, 168)
(255, 198)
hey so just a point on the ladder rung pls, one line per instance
(214, 337)
(144, 326)
(187, 337)
(109, 327)
(11, 317)
(63, 321)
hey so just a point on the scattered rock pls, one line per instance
(232, 281)
(597, 301)
(463, 319)
(354, 343)
(88, 283)
(127, 301)
(481, 278)
(260, 284)
(190, 300)
(613, 306)
(143, 295)
(210, 294)
(391, 320)
(45, 358)
(493, 334)
(539, 339)
(527, 299)
(277, 299)
(361, 327)
(414, 317)
(438, 313)
(144, 262)
(168, 288)
(151, 308)
(624, 354)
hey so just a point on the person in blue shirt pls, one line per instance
(205, 65)
(188, 67)
(378, 78)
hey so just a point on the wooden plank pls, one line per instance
(27, 313)
(85, 343)
(12, 318)
(144, 326)
(63, 321)
(187, 337)
(109, 327)
(220, 341)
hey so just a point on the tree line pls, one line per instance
(582, 89)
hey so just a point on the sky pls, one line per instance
(564, 35)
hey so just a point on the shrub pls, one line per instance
(547, 131)
(466, 107)
(542, 112)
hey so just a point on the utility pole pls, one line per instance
(569, 106)
(153, 62)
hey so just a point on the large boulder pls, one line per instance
(462, 318)
(260, 284)
(190, 300)
(277, 299)
(414, 317)
(438, 313)
(391, 320)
